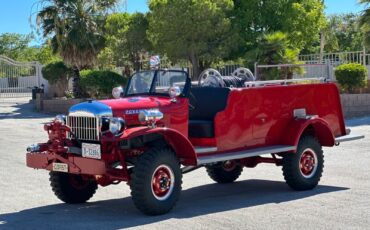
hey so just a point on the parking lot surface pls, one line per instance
(259, 199)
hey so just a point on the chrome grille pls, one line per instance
(85, 128)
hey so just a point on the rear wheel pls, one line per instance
(156, 181)
(302, 170)
(72, 188)
(224, 172)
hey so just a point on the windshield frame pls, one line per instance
(152, 92)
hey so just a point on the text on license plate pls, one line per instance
(91, 151)
(60, 167)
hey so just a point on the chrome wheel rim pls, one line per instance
(308, 163)
(163, 182)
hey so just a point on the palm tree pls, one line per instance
(365, 21)
(272, 49)
(75, 29)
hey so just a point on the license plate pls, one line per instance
(91, 151)
(60, 167)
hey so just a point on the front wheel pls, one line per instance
(302, 170)
(72, 188)
(156, 181)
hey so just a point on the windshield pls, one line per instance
(142, 82)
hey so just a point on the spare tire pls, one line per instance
(210, 78)
(244, 73)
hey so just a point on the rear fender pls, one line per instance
(315, 126)
(180, 144)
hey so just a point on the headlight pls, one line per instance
(116, 125)
(60, 119)
(150, 116)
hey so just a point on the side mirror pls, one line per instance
(117, 92)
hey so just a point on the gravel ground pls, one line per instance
(259, 199)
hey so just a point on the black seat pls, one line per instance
(206, 102)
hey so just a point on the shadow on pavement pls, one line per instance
(121, 213)
(20, 111)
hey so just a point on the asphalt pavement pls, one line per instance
(259, 199)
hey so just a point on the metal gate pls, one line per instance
(18, 78)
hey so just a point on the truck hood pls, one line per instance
(132, 105)
(126, 108)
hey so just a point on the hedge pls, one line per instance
(99, 83)
(351, 76)
(56, 71)
(57, 74)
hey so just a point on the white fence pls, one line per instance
(335, 59)
(292, 71)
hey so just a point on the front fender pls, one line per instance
(321, 131)
(182, 146)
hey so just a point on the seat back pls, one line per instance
(207, 101)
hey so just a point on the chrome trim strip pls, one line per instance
(245, 153)
(349, 137)
(200, 150)
(90, 109)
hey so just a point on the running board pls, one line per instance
(200, 150)
(244, 154)
(349, 137)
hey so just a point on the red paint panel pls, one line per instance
(261, 116)
(180, 143)
(297, 127)
(175, 112)
(203, 141)
(76, 165)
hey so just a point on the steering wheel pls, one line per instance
(211, 77)
(244, 74)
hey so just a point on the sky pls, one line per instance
(15, 14)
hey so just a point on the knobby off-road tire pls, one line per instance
(71, 188)
(224, 172)
(156, 181)
(302, 170)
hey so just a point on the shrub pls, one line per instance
(99, 84)
(58, 74)
(351, 76)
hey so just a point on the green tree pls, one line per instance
(13, 45)
(17, 47)
(301, 20)
(194, 30)
(45, 54)
(342, 33)
(127, 40)
(365, 21)
(75, 30)
(274, 48)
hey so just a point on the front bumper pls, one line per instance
(76, 164)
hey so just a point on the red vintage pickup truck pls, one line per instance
(162, 126)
